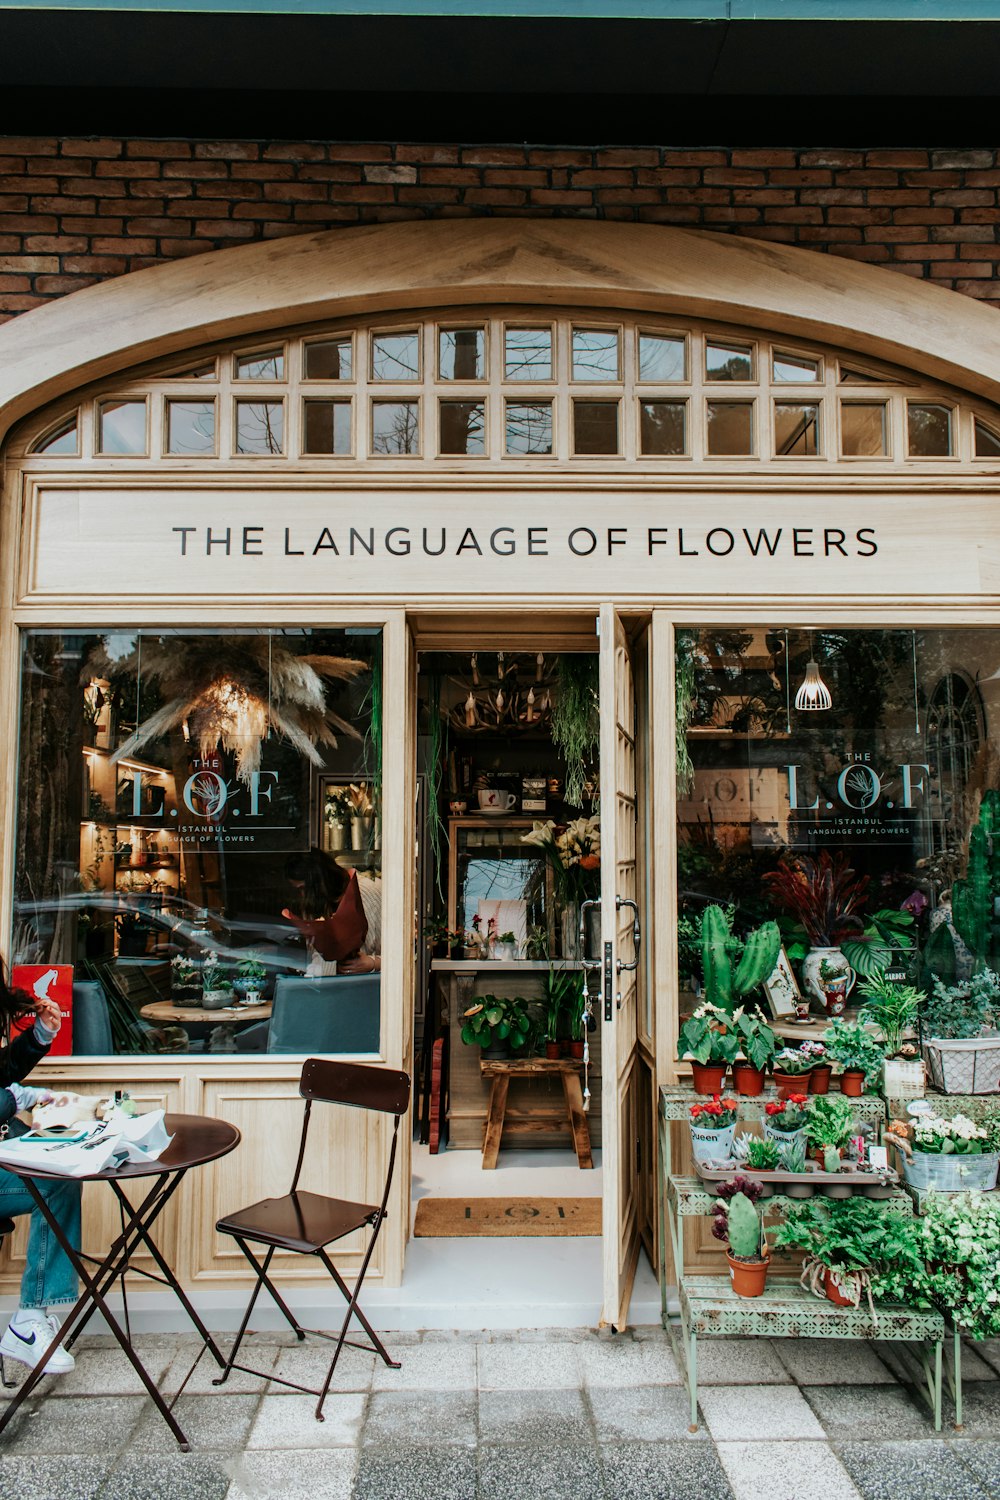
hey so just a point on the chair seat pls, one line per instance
(7, 1227)
(302, 1222)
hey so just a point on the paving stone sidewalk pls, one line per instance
(552, 1414)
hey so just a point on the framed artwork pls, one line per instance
(782, 988)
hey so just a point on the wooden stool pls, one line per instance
(503, 1070)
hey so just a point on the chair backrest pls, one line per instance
(340, 1014)
(357, 1084)
(91, 1020)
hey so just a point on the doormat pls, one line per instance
(459, 1218)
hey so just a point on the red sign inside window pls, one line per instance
(52, 982)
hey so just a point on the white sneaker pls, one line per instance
(27, 1341)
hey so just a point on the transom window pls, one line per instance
(523, 387)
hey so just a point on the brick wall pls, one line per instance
(75, 211)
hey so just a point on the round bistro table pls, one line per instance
(196, 1140)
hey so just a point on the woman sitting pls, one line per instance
(330, 913)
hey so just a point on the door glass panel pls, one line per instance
(595, 354)
(595, 426)
(329, 359)
(122, 426)
(463, 427)
(266, 366)
(662, 428)
(661, 358)
(928, 430)
(396, 356)
(730, 427)
(797, 368)
(862, 429)
(728, 361)
(173, 794)
(528, 427)
(528, 354)
(395, 427)
(260, 426)
(190, 426)
(327, 427)
(796, 429)
(462, 353)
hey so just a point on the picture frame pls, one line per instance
(782, 988)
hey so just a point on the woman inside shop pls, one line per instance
(49, 1281)
(329, 912)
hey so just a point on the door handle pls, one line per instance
(620, 965)
(587, 963)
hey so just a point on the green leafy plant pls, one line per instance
(575, 721)
(886, 933)
(560, 988)
(737, 1221)
(794, 1060)
(724, 985)
(962, 1010)
(495, 1018)
(957, 1136)
(762, 1155)
(685, 691)
(824, 894)
(852, 1047)
(792, 1155)
(830, 1121)
(955, 1268)
(787, 1115)
(892, 1008)
(536, 944)
(973, 899)
(757, 1041)
(854, 1238)
(251, 970)
(707, 1038)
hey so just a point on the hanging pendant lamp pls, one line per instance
(814, 694)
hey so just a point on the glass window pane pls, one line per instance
(62, 439)
(396, 356)
(329, 359)
(862, 429)
(730, 427)
(395, 427)
(529, 427)
(662, 427)
(794, 367)
(206, 371)
(260, 427)
(850, 376)
(270, 365)
(796, 429)
(987, 441)
(462, 353)
(595, 354)
(728, 361)
(928, 430)
(595, 426)
(463, 427)
(662, 358)
(528, 353)
(131, 870)
(327, 427)
(190, 426)
(122, 427)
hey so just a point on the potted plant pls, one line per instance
(499, 1025)
(218, 992)
(573, 851)
(825, 896)
(822, 1069)
(713, 1125)
(561, 987)
(737, 1221)
(361, 810)
(846, 1242)
(761, 1155)
(185, 981)
(829, 1127)
(855, 1051)
(250, 979)
(954, 1268)
(505, 946)
(961, 1044)
(792, 1066)
(835, 982)
(758, 1046)
(887, 937)
(893, 1009)
(948, 1154)
(708, 1039)
(785, 1119)
(757, 955)
(336, 820)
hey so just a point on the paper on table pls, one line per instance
(141, 1138)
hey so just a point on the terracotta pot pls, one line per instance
(852, 1082)
(819, 1079)
(553, 1050)
(818, 1153)
(576, 1049)
(749, 1080)
(790, 1083)
(748, 1277)
(707, 1077)
(833, 1291)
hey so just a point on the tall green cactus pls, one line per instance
(973, 900)
(723, 987)
(743, 1227)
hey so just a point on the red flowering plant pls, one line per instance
(715, 1113)
(788, 1114)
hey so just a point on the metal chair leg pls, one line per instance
(10, 1384)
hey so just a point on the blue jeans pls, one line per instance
(48, 1278)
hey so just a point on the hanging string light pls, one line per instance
(814, 694)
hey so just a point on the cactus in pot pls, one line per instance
(724, 985)
(738, 1221)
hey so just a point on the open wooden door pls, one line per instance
(622, 987)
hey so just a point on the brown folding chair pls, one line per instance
(304, 1223)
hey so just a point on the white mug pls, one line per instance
(494, 801)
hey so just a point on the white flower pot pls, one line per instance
(712, 1145)
(810, 971)
(780, 1136)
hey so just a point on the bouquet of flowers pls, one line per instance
(959, 1135)
(715, 1113)
(788, 1114)
(574, 852)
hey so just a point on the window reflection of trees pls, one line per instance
(529, 427)
(260, 427)
(396, 356)
(395, 427)
(463, 428)
(528, 354)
